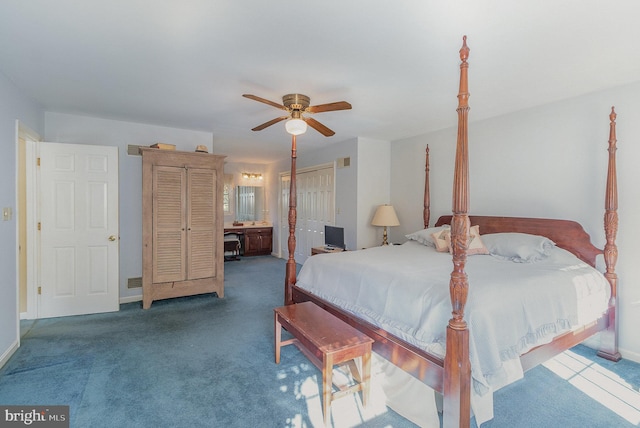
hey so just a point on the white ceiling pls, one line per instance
(187, 63)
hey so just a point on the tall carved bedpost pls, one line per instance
(290, 272)
(609, 337)
(426, 211)
(457, 368)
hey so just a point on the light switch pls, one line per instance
(6, 214)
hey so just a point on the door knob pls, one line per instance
(112, 238)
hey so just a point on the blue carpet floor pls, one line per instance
(207, 362)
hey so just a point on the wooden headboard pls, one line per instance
(567, 234)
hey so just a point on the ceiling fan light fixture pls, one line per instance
(296, 126)
(295, 105)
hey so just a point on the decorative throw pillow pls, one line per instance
(424, 237)
(441, 240)
(476, 246)
(518, 247)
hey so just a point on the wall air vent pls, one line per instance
(134, 282)
(134, 150)
(343, 162)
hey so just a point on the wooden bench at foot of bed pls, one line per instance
(327, 342)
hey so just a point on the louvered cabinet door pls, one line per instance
(182, 224)
(169, 224)
(201, 216)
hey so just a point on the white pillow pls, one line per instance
(518, 247)
(424, 237)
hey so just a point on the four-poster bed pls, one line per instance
(458, 371)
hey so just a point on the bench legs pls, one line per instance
(278, 338)
(362, 378)
(365, 381)
(327, 387)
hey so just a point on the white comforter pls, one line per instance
(511, 307)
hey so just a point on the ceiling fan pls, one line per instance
(295, 105)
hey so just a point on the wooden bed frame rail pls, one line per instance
(452, 375)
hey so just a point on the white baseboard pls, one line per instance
(9, 352)
(131, 299)
(630, 355)
(594, 343)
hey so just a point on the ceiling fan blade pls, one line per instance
(262, 100)
(271, 122)
(339, 105)
(319, 127)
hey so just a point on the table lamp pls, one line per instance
(385, 216)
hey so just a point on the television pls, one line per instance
(333, 237)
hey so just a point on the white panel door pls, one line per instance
(303, 185)
(79, 243)
(323, 207)
(315, 208)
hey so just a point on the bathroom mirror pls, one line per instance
(249, 203)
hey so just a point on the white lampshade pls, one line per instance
(296, 126)
(385, 216)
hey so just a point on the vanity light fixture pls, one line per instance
(251, 176)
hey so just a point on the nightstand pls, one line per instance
(324, 250)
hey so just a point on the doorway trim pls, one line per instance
(29, 165)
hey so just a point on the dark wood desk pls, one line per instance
(254, 240)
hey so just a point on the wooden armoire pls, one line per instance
(182, 224)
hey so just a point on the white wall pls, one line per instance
(14, 105)
(374, 188)
(407, 179)
(67, 128)
(549, 162)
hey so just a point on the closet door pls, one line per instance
(201, 212)
(315, 202)
(169, 234)
(320, 206)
